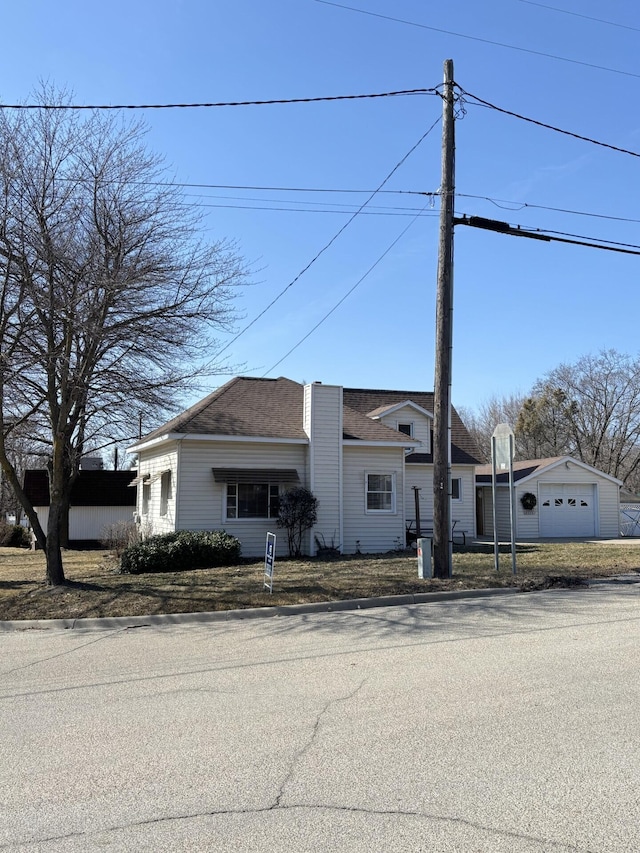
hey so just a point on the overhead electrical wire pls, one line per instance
(480, 39)
(580, 15)
(269, 102)
(409, 211)
(346, 295)
(489, 105)
(521, 205)
(331, 241)
(547, 235)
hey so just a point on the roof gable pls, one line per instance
(526, 469)
(463, 448)
(385, 411)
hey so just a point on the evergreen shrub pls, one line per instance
(181, 551)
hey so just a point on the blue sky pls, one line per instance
(521, 306)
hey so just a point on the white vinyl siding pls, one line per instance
(421, 425)
(202, 500)
(161, 466)
(90, 522)
(372, 532)
(323, 424)
(573, 482)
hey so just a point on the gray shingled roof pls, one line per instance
(367, 401)
(273, 408)
(265, 408)
(521, 469)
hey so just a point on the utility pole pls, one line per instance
(442, 547)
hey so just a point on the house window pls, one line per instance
(252, 500)
(165, 492)
(146, 498)
(407, 429)
(380, 492)
(456, 489)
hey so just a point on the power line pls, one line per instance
(217, 104)
(330, 243)
(346, 295)
(579, 15)
(521, 205)
(547, 235)
(480, 39)
(409, 211)
(491, 106)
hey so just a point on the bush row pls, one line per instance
(180, 551)
(14, 536)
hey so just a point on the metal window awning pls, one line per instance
(141, 478)
(256, 475)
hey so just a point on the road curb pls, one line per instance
(120, 623)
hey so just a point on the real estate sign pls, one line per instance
(269, 560)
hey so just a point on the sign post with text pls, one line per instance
(269, 560)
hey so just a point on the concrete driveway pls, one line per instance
(492, 724)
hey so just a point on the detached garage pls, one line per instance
(559, 497)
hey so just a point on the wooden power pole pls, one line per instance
(442, 547)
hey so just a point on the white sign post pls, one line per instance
(502, 450)
(269, 561)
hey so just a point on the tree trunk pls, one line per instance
(53, 552)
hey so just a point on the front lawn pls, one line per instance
(95, 587)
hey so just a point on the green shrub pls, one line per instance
(181, 551)
(14, 536)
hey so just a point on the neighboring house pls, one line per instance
(99, 499)
(572, 500)
(223, 463)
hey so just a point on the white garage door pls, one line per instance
(567, 509)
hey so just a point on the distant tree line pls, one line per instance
(589, 410)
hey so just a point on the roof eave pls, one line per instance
(180, 436)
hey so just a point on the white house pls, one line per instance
(558, 497)
(365, 454)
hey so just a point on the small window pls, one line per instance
(165, 492)
(456, 489)
(380, 493)
(583, 502)
(146, 498)
(406, 429)
(546, 503)
(571, 502)
(252, 500)
(558, 502)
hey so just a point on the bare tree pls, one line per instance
(108, 295)
(494, 411)
(590, 410)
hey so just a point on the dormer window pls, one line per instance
(406, 429)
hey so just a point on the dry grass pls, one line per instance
(95, 588)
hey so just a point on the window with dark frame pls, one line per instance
(252, 500)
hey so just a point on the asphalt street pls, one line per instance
(506, 723)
